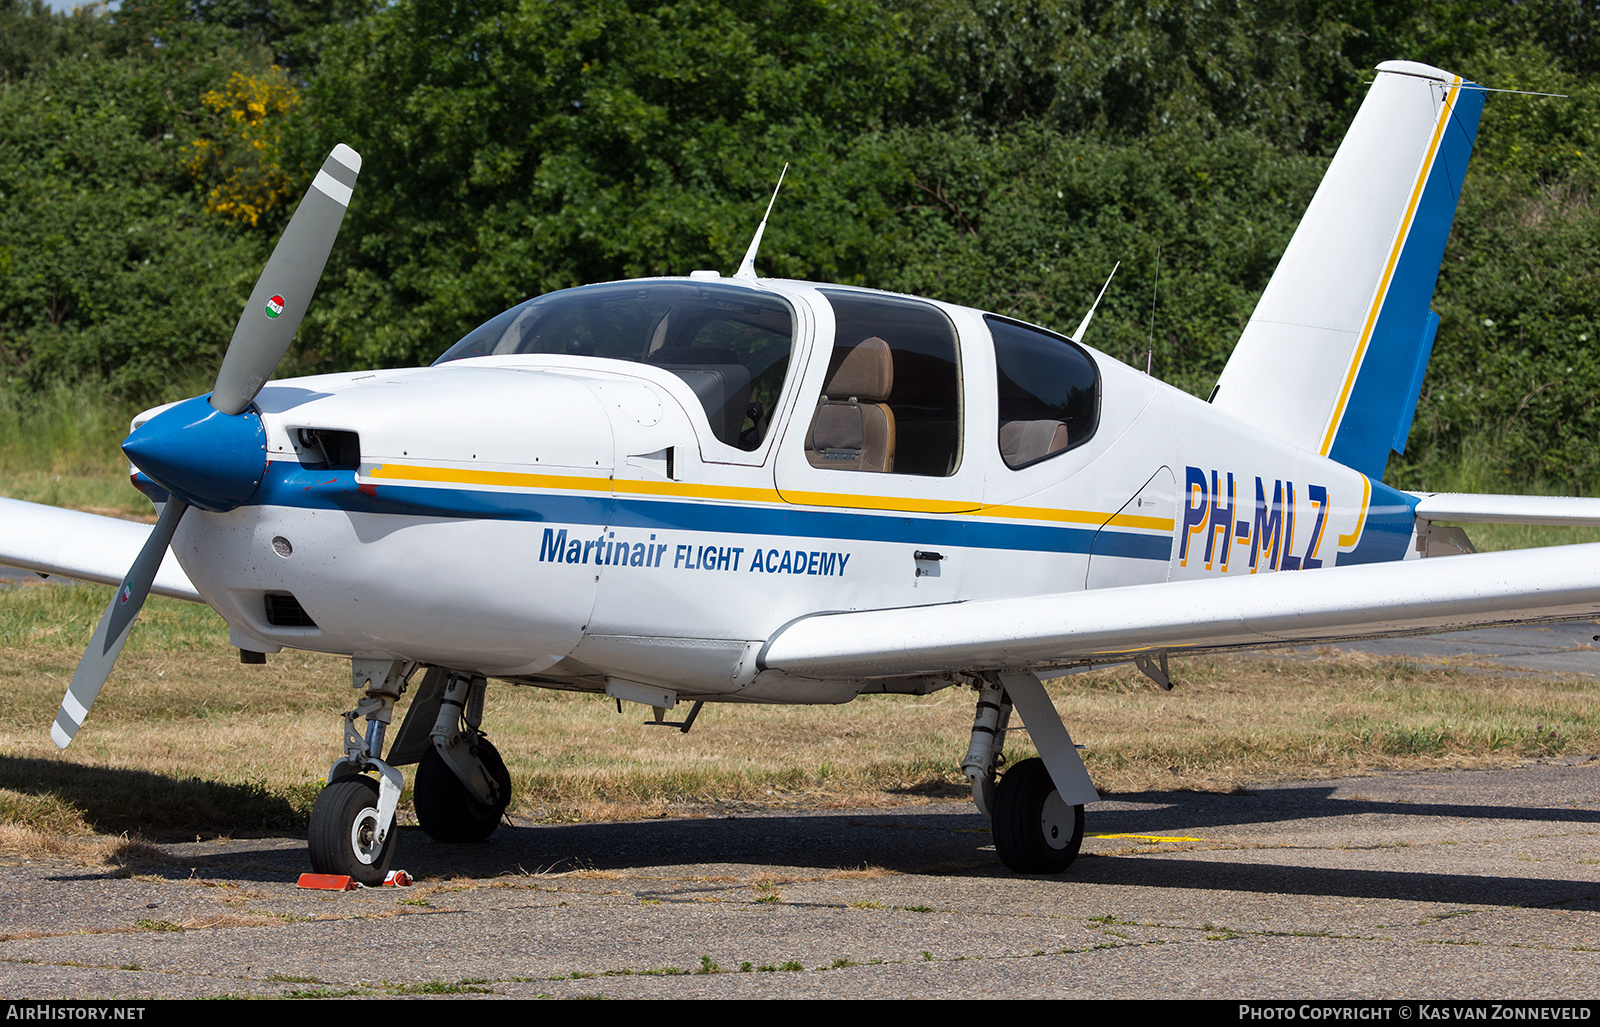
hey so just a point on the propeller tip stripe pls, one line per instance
(60, 737)
(73, 708)
(332, 188)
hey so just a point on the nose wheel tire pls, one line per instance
(1035, 832)
(345, 830)
(450, 813)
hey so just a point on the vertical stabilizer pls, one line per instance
(1333, 357)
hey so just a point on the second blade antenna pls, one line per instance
(1150, 353)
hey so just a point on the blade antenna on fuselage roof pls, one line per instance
(747, 267)
(1083, 325)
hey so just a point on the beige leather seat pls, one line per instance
(1023, 442)
(853, 429)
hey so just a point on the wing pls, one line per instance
(84, 546)
(1115, 624)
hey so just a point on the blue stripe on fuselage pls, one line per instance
(290, 485)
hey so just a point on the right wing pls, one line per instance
(1116, 624)
(84, 546)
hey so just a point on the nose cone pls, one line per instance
(207, 458)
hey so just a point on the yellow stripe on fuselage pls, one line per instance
(474, 476)
(1044, 513)
(1388, 271)
(1347, 541)
(744, 494)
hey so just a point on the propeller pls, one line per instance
(210, 451)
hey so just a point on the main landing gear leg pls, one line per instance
(1037, 809)
(988, 744)
(463, 786)
(352, 825)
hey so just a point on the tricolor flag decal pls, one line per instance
(127, 593)
(275, 306)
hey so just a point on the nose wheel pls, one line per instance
(1035, 831)
(348, 836)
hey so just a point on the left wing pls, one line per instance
(1116, 624)
(84, 546)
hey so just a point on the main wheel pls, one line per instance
(450, 813)
(345, 828)
(1035, 832)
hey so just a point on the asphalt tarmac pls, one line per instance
(1467, 884)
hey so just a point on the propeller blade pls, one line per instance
(106, 644)
(282, 294)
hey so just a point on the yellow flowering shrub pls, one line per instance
(242, 160)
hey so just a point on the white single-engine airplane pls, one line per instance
(713, 489)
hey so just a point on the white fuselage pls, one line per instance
(566, 520)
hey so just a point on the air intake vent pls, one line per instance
(324, 449)
(285, 611)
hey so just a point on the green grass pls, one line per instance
(63, 447)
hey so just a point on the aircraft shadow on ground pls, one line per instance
(935, 843)
(1178, 810)
(944, 844)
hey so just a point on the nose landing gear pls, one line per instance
(348, 836)
(352, 824)
(462, 785)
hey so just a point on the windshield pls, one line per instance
(730, 345)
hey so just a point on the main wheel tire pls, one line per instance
(450, 813)
(1035, 832)
(344, 831)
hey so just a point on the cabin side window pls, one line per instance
(891, 401)
(1049, 391)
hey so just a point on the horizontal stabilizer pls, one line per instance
(1115, 624)
(1469, 508)
(83, 546)
(1334, 355)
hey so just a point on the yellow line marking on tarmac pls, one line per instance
(1148, 837)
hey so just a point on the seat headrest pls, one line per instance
(867, 373)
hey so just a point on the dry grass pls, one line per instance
(186, 742)
(76, 846)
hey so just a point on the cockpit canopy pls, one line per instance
(730, 345)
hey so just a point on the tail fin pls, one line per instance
(1333, 357)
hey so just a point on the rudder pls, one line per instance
(1335, 352)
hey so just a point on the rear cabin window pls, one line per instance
(891, 401)
(1049, 391)
(730, 345)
